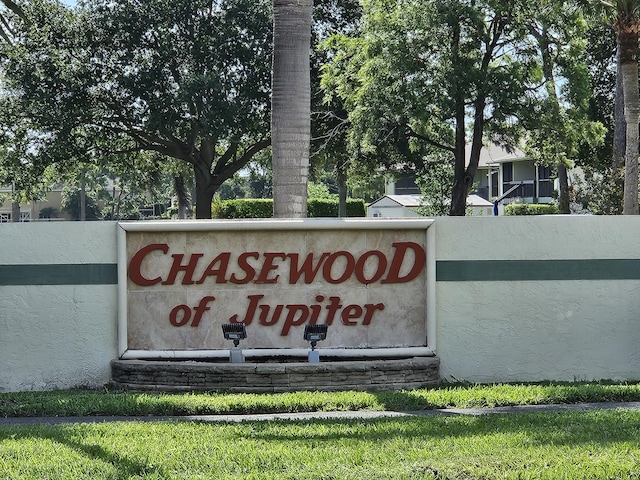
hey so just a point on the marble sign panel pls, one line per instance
(367, 285)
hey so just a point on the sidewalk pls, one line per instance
(305, 416)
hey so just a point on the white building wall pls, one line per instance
(388, 211)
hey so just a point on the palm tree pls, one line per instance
(6, 32)
(626, 24)
(291, 106)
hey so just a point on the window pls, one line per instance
(406, 185)
(544, 173)
(507, 172)
(507, 181)
(494, 183)
(545, 183)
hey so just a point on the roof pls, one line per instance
(492, 154)
(414, 201)
(401, 200)
(477, 201)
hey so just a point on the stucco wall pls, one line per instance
(55, 333)
(576, 321)
(580, 321)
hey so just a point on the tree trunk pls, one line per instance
(342, 190)
(291, 106)
(464, 174)
(461, 181)
(204, 193)
(550, 83)
(564, 202)
(458, 199)
(182, 196)
(631, 114)
(83, 200)
(620, 126)
(15, 212)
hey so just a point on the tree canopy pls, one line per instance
(396, 84)
(436, 76)
(186, 79)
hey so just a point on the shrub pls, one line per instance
(245, 208)
(263, 208)
(530, 209)
(49, 212)
(318, 208)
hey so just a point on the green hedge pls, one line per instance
(263, 208)
(530, 209)
(317, 208)
(244, 208)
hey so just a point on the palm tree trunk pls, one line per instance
(620, 126)
(291, 106)
(627, 27)
(631, 115)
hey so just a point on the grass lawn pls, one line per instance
(598, 444)
(567, 445)
(83, 402)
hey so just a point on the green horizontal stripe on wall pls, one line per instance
(65, 274)
(522, 270)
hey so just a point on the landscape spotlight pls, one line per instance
(235, 332)
(314, 334)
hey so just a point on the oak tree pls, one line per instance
(187, 79)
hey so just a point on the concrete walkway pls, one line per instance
(349, 415)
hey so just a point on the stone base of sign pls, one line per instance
(178, 376)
